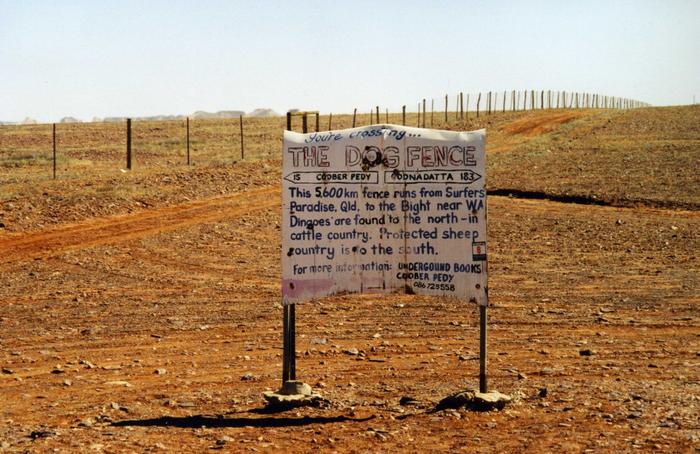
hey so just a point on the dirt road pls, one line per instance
(116, 229)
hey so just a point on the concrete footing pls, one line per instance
(475, 400)
(293, 394)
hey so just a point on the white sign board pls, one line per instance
(384, 208)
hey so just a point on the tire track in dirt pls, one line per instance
(530, 127)
(536, 125)
(117, 229)
(546, 205)
(592, 200)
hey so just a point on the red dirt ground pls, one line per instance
(157, 326)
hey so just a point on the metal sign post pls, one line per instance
(483, 385)
(289, 310)
(288, 344)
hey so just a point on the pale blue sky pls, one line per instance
(136, 58)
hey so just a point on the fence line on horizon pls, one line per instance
(456, 111)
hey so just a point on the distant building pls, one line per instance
(70, 120)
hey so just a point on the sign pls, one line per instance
(384, 208)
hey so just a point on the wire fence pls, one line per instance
(73, 150)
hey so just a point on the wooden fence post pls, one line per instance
(457, 103)
(187, 138)
(541, 99)
(330, 121)
(466, 108)
(289, 121)
(317, 126)
(532, 99)
(54, 151)
(305, 123)
(387, 115)
(488, 103)
(478, 101)
(512, 99)
(354, 116)
(377, 114)
(461, 105)
(424, 112)
(128, 143)
(504, 102)
(403, 115)
(432, 112)
(524, 99)
(446, 100)
(240, 121)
